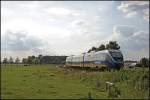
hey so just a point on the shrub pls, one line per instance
(114, 92)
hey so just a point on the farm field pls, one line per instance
(51, 82)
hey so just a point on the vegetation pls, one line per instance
(51, 82)
(17, 60)
(37, 60)
(5, 61)
(11, 60)
(144, 62)
(101, 47)
(111, 45)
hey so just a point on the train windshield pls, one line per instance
(117, 56)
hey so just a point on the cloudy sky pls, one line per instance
(73, 27)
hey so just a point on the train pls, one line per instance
(105, 59)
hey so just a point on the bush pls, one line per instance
(114, 92)
(144, 62)
(138, 65)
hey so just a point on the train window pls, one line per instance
(88, 57)
(117, 56)
(102, 57)
(99, 56)
(77, 59)
(95, 57)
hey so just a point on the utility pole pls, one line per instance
(83, 58)
(71, 59)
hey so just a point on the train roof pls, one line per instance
(114, 50)
(94, 52)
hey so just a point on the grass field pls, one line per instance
(51, 82)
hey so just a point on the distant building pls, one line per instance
(130, 64)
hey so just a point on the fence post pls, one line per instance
(108, 86)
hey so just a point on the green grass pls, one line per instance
(49, 82)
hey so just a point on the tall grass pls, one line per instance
(47, 81)
(132, 84)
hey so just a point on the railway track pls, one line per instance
(80, 69)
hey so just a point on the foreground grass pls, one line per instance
(49, 82)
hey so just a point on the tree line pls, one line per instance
(144, 62)
(11, 61)
(36, 60)
(111, 45)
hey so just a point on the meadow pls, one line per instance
(51, 82)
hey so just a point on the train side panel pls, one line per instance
(101, 59)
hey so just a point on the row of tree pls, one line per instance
(110, 45)
(144, 62)
(44, 60)
(36, 60)
(11, 61)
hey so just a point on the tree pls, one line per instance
(144, 62)
(31, 59)
(24, 60)
(112, 45)
(11, 61)
(94, 49)
(89, 50)
(17, 60)
(37, 60)
(101, 47)
(5, 61)
(40, 57)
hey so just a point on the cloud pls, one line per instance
(135, 8)
(134, 43)
(58, 11)
(123, 30)
(136, 55)
(20, 41)
(61, 11)
(130, 38)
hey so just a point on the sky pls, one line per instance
(73, 27)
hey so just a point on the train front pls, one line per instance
(117, 59)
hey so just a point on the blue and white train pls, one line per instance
(105, 59)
